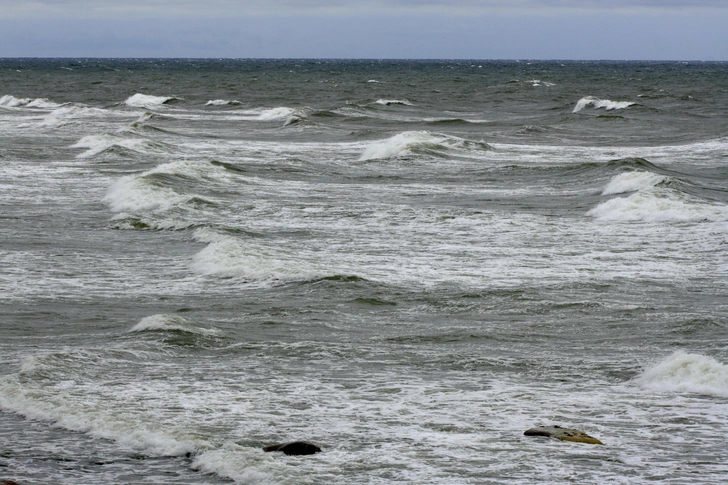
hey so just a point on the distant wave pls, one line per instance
(42, 103)
(223, 102)
(290, 115)
(601, 103)
(658, 204)
(167, 323)
(227, 256)
(71, 113)
(684, 372)
(147, 101)
(632, 181)
(96, 144)
(387, 102)
(411, 142)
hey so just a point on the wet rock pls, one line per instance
(9, 482)
(294, 448)
(564, 434)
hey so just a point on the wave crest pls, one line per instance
(170, 323)
(657, 204)
(411, 142)
(600, 103)
(632, 181)
(147, 101)
(387, 102)
(684, 372)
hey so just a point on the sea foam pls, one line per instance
(632, 181)
(96, 144)
(166, 322)
(223, 102)
(227, 256)
(600, 103)
(71, 113)
(147, 101)
(387, 102)
(411, 142)
(658, 205)
(684, 372)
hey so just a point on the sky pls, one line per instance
(379, 29)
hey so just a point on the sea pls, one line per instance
(407, 263)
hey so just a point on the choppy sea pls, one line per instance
(408, 263)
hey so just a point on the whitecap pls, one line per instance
(223, 102)
(67, 114)
(147, 101)
(133, 193)
(409, 142)
(244, 465)
(166, 322)
(684, 372)
(658, 205)
(632, 181)
(227, 256)
(600, 103)
(9, 101)
(387, 102)
(96, 144)
(13, 102)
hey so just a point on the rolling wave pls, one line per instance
(418, 142)
(600, 103)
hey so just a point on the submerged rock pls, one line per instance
(294, 448)
(564, 434)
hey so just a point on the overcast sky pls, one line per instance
(432, 29)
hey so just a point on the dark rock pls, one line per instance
(294, 448)
(9, 482)
(564, 434)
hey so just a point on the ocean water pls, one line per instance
(408, 263)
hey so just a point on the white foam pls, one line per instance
(147, 101)
(655, 205)
(684, 372)
(96, 144)
(13, 102)
(227, 256)
(69, 113)
(222, 102)
(600, 103)
(632, 181)
(61, 407)
(387, 102)
(41, 103)
(133, 193)
(409, 141)
(244, 465)
(167, 322)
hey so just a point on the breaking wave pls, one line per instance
(227, 256)
(290, 115)
(412, 142)
(684, 372)
(71, 113)
(658, 204)
(223, 102)
(42, 103)
(388, 102)
(600, 103)
(632, 181)
(165, 323)
(147, 101)
(96, 144)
